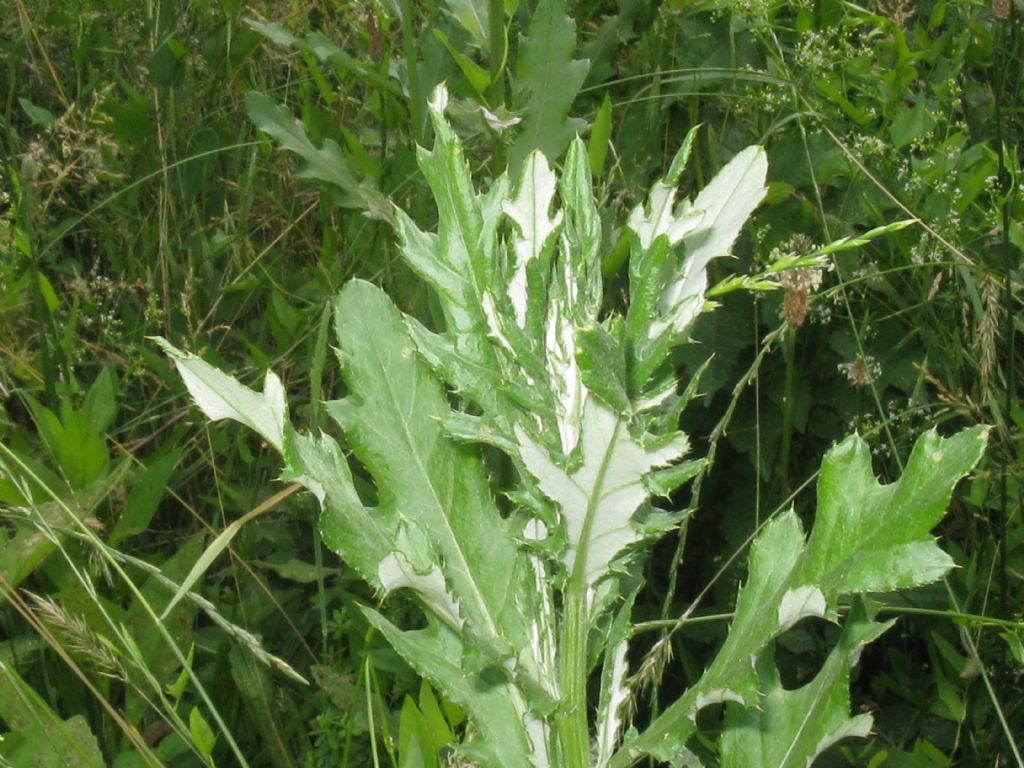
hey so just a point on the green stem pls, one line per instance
(571, 720)
(788, 350)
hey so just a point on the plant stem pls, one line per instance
(789, 352)
(571, 720)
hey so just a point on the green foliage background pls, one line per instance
(214, 172)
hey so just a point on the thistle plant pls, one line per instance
(527, 585)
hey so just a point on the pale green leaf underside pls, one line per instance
(219, 396)
(723, 206)
(598, 499)
(530, 210)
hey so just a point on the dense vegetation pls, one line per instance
(214, 173)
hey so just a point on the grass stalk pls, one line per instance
(161, 628)
(416, 97)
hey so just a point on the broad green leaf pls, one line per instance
(477, 76)
(58, 745)
(789, 729)
(603, 367)
(415, 749)
(437, 724)
(360, 535)
(874, 538)
(392, 420)
(497, 708)
(274, 32)
(289, 567)
(79, 449)
(473, 16)
(40, 533)
(790, 577)
(100, 406)
(911, 124)
(29, 546)
(141, 504)
(437, 491)
(202, 734)
(38, 115)
(20, 650)
(547, 81)
(23, 480)
(759, 617)
(20, 704)
(48, 293)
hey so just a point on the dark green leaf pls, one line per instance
(547, 81)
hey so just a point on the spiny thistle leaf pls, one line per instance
(436, 490)
(219, 396)
(874, 538)
(529, 209)
(791, 578)
(788, 729)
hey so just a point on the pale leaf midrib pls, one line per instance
(593, 503)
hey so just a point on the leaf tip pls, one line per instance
(439, 101)
(800, 603)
